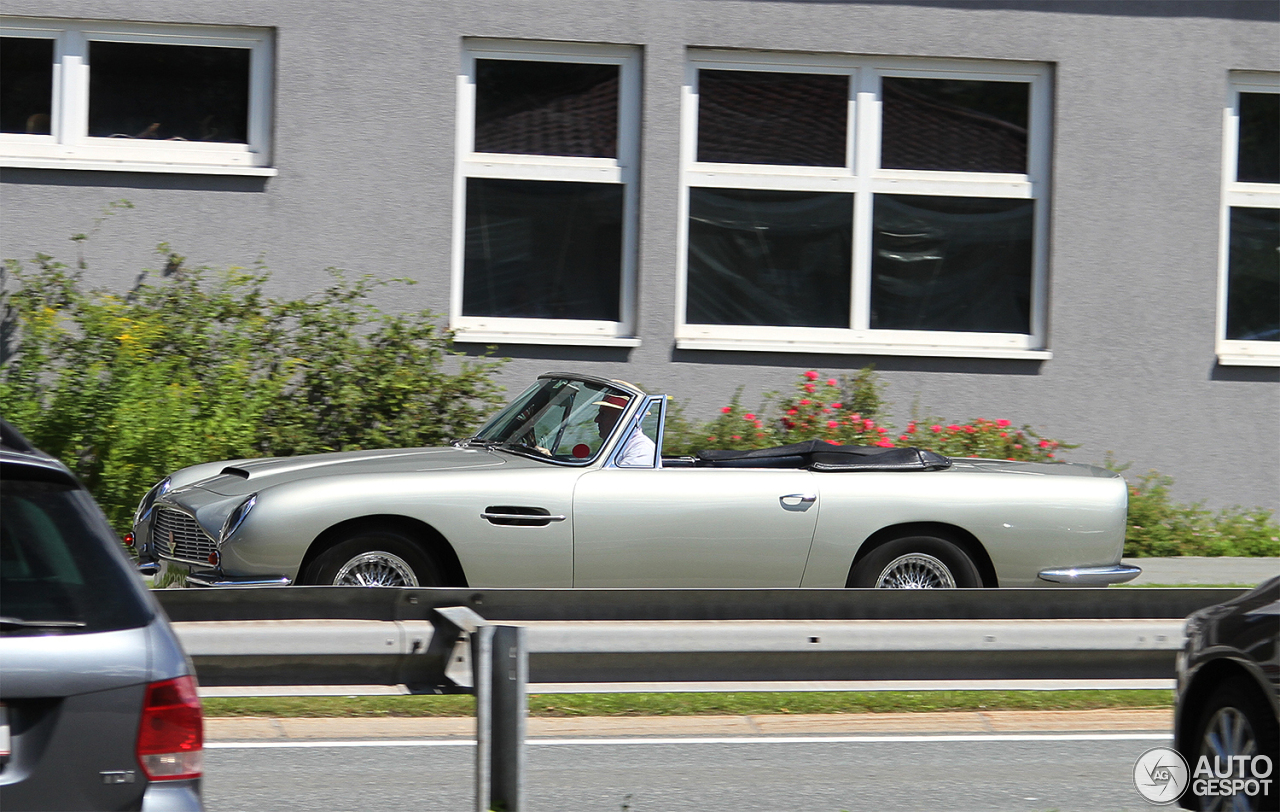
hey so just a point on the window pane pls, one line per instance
(754, 117)
(542, 249)
(954, 124)
(1253, 275)
(775, 258)
(169, 92)
(546, 108)
(26, 85)
(1259, 156)
(951, 263)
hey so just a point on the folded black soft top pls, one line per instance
(817, 455)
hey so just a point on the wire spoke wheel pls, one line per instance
(916, 571)
(376, 568)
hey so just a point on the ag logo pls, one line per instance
(173, 545)
(1161, 775)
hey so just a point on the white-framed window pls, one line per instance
(131, 96)
(1249, 254)
(866, 205)
(545, 193)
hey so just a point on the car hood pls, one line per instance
(247, 476)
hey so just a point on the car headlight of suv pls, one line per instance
(149, 499)
(237, 517)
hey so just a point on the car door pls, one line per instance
(692, 527)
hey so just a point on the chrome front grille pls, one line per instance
(178, 536)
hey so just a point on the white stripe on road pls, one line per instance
(976, 737)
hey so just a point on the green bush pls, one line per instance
(1158, 526)
(193, 365)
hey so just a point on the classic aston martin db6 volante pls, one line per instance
(565, 487)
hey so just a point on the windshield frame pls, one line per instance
(507, 430)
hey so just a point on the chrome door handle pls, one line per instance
(793, 499)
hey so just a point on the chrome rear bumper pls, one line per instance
(1091, 576)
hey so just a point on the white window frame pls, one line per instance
(69, 145)
(622, 170)
(863, 177)
(1246, 195)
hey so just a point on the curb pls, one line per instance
(219, 729)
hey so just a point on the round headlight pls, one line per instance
(144, 507)
(237, 517)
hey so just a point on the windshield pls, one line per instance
(558, 419)
(58, 571)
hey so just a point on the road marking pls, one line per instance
(975, 738)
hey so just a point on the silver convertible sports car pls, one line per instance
(565, 487)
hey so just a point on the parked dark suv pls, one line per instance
(98, 705)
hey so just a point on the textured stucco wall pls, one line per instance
(364, 143)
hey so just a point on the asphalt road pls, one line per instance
(1055, 771)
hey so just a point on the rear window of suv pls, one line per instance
(59, 573)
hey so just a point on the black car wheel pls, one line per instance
(916, 562)
(374, 558)
(1236, 722)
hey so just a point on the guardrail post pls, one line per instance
(509, 709)
(482, 665)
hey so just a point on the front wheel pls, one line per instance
(916, 562)
(373, 558)
(1236, 727)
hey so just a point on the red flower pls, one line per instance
(904, 438)
(1017, 445)
(748, 416)
(793, 411)
(935, 429)
(810, 388)
(953, 427)
(885, 444)
(812, 375)
(837, 405)
(804, 402)
(727, 409)
(1004, 434)
(831, 382)
(833, 424)
(970, 430)
(1004, 424)
(735, 437)
(1044, 444)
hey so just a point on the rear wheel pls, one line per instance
(916, 562)
(374, 558)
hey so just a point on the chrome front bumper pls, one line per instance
(202, 579)
(1091, 576)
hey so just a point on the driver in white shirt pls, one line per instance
(638, 451)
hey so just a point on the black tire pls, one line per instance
(1237, 698)
(938, 560)
(379, 557)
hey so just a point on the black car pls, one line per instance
(98, 702)
(1227, 719)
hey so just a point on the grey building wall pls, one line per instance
(365, 111)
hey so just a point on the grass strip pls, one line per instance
(694, 704)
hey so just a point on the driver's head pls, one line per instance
(611, 408)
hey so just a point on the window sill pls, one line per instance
(1230, 359)
(136, 166)
(918, 350)
(483, 337)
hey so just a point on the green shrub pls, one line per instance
(1158, 526)
(195, 365)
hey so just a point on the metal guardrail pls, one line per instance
(335, 636)
(494, 642)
